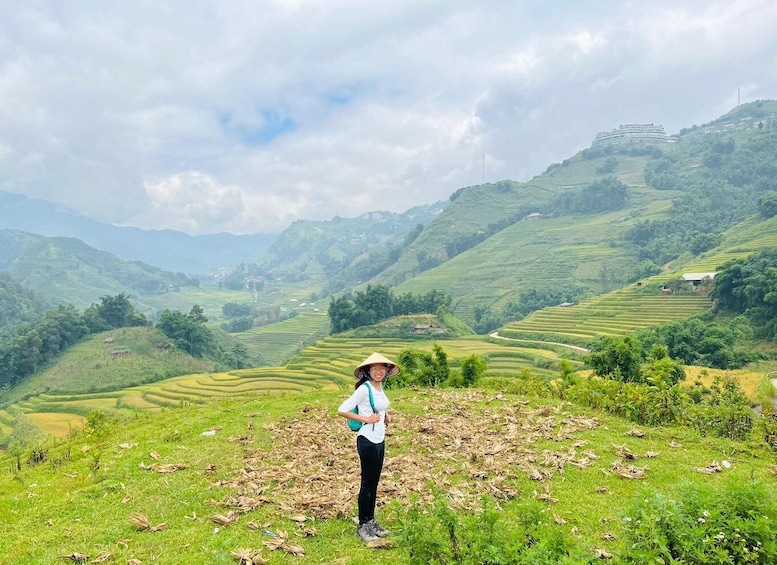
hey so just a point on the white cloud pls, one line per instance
(244, 116)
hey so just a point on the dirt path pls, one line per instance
(496, 335)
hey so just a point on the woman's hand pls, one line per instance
(372, 419)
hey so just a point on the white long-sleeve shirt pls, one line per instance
(376, 433)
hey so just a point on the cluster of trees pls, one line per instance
(749, 286)
(34, 345)
(702, 341)
(420, 368)
(378, 303)
(733, 182)
(188, 331)
(623, 360)
(603, 195)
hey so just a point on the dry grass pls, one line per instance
(750, 381)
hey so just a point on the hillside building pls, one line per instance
(632, 133)
(695, 279)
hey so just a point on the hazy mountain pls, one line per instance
(321, 250)
(67, 271)
(167, 249)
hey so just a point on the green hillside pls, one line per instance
(644, 304)
(67, 271)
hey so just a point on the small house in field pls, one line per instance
(695, 279)
(533, 216)
(420, 328)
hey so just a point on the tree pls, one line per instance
(617, 359)
(472, 368)
(767, 205)
(116, 312)
(238, 356)
(188, 331)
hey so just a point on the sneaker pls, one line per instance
(377, 529)
(364, 531)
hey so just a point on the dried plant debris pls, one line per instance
(623, 452)
(248, 557)
(102, 558)
(710, 469)
(601, 553)
(380, 544)
(164, 468)
(142, 522)
(629, 471)
(281, 542)
(635, 432)
(224, 519)
(76, 557)
(310, 470)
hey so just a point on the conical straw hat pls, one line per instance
(376, 359)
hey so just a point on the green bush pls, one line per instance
(435, 534)
(703, 524)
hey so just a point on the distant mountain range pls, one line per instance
(166, 249)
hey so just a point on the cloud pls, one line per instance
(245, 116)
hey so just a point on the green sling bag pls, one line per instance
(355, 425)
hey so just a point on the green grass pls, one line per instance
(82, 498)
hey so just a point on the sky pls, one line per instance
(243, 116)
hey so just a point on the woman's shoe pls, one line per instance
(364, 531)
(377, 529)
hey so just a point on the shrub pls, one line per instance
(735, 524)
(435, 534)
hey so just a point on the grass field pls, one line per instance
(203, 497)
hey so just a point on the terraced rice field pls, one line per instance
(327, 364)
(615, 314)
(277, 342)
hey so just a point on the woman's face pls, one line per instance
(378, 372)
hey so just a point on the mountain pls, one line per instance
(66, 270)
(18, 305)
(167, 249)
(321, 251)
(592, 223)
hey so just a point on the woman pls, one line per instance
(370, 442)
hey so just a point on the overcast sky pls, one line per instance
(243, 116)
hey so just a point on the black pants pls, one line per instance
(371, 457)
